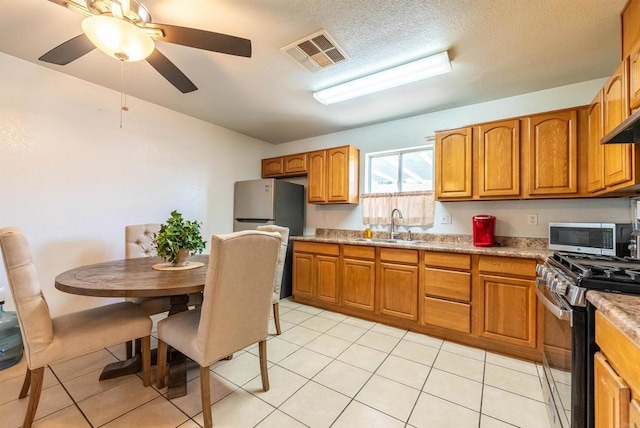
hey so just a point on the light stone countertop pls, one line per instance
(621, 309)
(452, 247)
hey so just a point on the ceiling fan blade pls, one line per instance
(202, 39)
(170, 72)
(69, 51)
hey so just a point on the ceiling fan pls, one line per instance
(123, 30)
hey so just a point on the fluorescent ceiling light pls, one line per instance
(424, 68)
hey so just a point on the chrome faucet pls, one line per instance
(393, 221)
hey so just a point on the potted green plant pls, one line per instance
(178, 239)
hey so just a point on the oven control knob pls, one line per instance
(561, 286)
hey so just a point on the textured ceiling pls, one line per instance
(498, 48)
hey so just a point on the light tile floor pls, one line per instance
(325, 370)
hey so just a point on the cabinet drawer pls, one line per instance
(621, 352)
(317, 248)
(447, 284)
(401, 256)
(451, 315)
(507, 265)
(295, 164)
(359, 252)
(447, 260)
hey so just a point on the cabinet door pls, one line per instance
(634, 414)
(326, 278)
(303, 275)
(617, 157)
(398, 285)
(508, 310)
(634, 77)
(338, 175)
(553, 153)
(595, 150)
(358, 284)
(316, 184)
(453, 164)
(272, 167)
(295, 164)
(343, 175)
(498, 158)
(611, 396)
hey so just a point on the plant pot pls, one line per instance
(182, 257)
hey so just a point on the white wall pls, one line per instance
(71, 178)
(511, 215)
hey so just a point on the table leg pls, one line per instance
(177, 361)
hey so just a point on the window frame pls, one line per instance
(430, 145)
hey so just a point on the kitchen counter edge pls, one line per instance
(528, 253)
(622, 310)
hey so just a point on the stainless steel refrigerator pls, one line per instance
(270, 201)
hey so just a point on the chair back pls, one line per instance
(282, 255)
(34, 318)
(237, 292)
(139, 240)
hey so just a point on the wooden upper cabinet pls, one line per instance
(453, 164)
(629, 19)
(498, 149)
(611, 396)
(634, 77)
(272, 167)
(285, 166)
(316, 177)
(595, 150)
(618, 158)
(343, 175)
(295, 164)
(552, 153)
(333, 176)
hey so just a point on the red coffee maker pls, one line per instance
(483, 230)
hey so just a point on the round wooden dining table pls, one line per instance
(137, 278)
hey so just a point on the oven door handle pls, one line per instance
(558, 312)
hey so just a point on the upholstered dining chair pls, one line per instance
(277, 282)
(139, 243)
(234, 312)
(49, 340)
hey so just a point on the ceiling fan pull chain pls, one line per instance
(123, 95)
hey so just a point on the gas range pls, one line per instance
(570, 275)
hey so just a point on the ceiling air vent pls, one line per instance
(316, 51)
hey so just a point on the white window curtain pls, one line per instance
(417, 208)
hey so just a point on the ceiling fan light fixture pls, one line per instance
(118, 38)
(424, 68)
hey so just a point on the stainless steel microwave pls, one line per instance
(609, 239)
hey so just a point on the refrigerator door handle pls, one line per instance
(253, 220)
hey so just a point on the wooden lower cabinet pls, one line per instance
(484, 301)
(303, 275)
(398, 285)
(616, 377)
(443, 313)
(611, 396)
(327, 268)
(358, 277)
(316, 271)
(447, 291)
(507, 310)
(506, 300)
